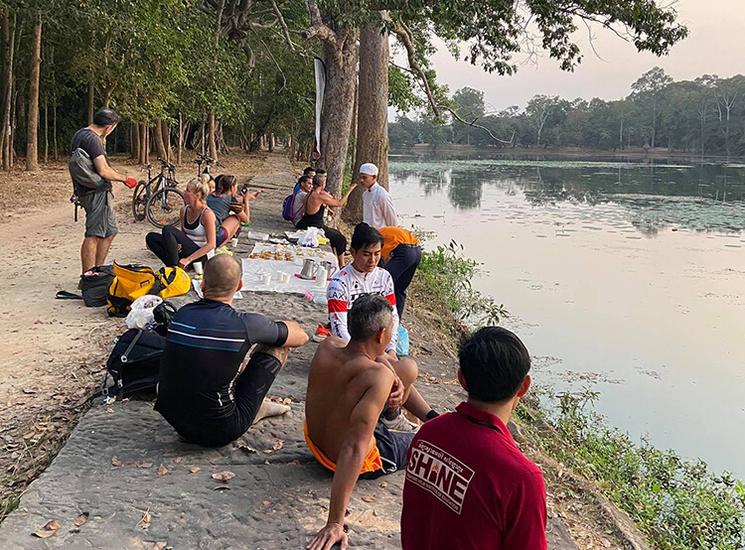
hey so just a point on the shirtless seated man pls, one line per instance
(202, 392)
(349, 386)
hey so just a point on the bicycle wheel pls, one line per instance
(139, 200)
(164, 207)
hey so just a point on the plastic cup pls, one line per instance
(198, 269)
(234, 242)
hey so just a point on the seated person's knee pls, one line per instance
(407, 370)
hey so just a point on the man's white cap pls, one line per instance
(369, 169)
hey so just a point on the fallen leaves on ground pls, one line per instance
(247, 448)
(81, 519)
(194, 469)
(225, 475)
(221, 488)
(48, 530)
(115, 461)
(276, 446)
(368, 498)
(144, 523)
(178, 460)
(162, 470)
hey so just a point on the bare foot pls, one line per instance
(269, 408)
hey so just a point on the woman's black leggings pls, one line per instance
(171, 245)
(337, 241)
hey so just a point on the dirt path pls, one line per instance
(53, 350)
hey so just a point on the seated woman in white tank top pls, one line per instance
(197, 238)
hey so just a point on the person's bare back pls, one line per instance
(340, 383)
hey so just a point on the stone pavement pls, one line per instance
(123, 462)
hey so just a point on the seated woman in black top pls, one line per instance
(315, 207)
(198, 235)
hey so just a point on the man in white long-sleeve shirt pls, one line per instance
(377, 206)
(361, 277)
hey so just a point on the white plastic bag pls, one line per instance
(141, 311)
(310, 237)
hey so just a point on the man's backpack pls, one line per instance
(134, 363)
(132, 281)
(287, 211)
(84, 176)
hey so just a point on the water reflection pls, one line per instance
(702, 197)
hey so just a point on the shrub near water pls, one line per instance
(448, 273)
(679, 504)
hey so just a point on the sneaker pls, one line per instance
(321, 333)
(400, 423)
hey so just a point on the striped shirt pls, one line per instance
(349, 284)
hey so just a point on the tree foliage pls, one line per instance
(703, 116)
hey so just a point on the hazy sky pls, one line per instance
(715, 45)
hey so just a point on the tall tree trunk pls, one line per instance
(134, 142)
(32, 124)
(372, 112)
(9, 33)
(338, 100)
(54, 128)
(213, 136)
(158, 138)
(91, 100)
(180, 139)
(143, 143)
(166, 139)
(46, 129)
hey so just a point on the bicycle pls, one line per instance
(207, 162)
(158, 199)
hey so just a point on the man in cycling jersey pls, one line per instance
(361, 277)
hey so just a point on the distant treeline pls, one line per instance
(701, 116)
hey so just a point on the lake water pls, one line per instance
(626, 277)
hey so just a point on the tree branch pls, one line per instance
(318, 29)
(282, 22)
(404, 35)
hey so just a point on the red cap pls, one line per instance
(130, 182)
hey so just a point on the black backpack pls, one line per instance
(134, 363)
(95, 287)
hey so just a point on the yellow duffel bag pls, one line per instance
(175, 282)
(132, 281)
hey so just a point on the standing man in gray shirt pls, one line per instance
(91, 177)
(377, 206)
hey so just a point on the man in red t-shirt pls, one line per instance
(467, 485)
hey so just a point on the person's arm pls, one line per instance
(351, 457)
(281, 334)
(208, 221)
(390, 295)
(296, 336)
(388, 212)
(105, 171)
(338, 304)
(329, 200)
(527, 515)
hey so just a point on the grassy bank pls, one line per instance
(677, 504)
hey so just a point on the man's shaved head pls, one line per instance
(221, 276)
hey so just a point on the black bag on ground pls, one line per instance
(134, 363)
(95, 287)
